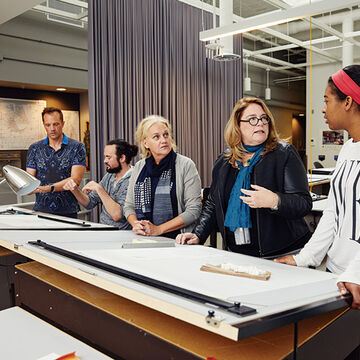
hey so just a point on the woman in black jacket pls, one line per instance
(259, 192)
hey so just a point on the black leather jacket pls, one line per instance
(280, 171)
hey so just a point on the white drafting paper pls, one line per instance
(51, 356)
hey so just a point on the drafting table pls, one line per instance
(323, 171)
(59, 288)
(321, 182)
(315, 179)
(290, 295)
(12, 218)
(24, 330)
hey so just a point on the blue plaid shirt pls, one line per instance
(52, 166)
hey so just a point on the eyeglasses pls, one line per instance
(255, 120)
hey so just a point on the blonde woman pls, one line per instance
(164, 194)
(259, 192)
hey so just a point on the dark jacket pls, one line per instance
(280, 171)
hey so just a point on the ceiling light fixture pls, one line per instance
(267, 90)
(60, 89)
(227, 43)
(247, 79)
(276, 17)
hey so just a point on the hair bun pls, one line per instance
(133, 150)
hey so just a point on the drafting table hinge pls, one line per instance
(213, 320)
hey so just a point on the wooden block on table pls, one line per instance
(217, 269)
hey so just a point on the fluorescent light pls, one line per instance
(60, 89)
(276, 17)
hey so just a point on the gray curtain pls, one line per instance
(145, 58)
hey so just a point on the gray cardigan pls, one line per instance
(188, 191)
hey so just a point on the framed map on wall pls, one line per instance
(20, 123)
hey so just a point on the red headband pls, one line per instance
(346, 85)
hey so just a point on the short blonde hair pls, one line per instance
(233, 135)
(142, 132)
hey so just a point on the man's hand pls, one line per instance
(42, 189)
(288, 259)
(187, 238)
(260, 197)
(70, 185)
(345, 287)
(91, 186)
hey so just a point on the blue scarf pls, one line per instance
(238, 213)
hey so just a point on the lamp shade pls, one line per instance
(247, 84)
(267, 93)
(21, 182)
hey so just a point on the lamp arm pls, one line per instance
(3, 180)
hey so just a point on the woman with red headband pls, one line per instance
(338, 232)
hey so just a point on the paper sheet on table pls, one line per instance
(51, 356)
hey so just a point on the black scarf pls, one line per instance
(155, 190)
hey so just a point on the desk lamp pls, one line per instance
(21, 182)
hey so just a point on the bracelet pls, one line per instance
(276, 207)
(52, 188)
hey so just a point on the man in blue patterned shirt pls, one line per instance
(54, 161)
(112, 189)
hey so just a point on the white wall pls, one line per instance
(84, 113)
(286, 99)
(320, 75)
(36, 51)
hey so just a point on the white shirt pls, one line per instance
(338, 232)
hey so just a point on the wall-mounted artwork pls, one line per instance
(72, 124)
(334, 137)
(20, 123)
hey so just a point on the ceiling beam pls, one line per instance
(269, 59)
(272, 68)
(319, 24)
(62, 13)
(10, 8)
(205, 7)
(272, 18)
(290, 39)
(78, 3)
(305, 43)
